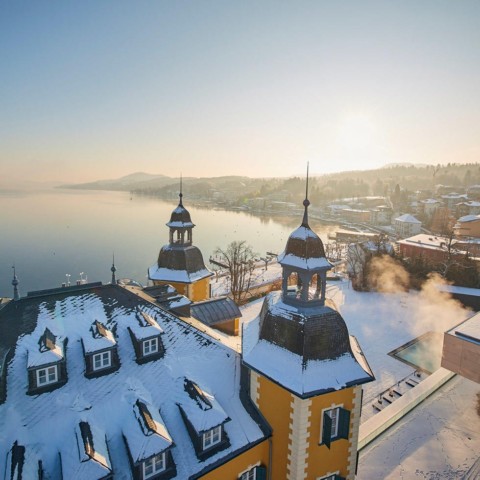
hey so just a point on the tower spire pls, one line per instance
(15, 282)
(113, 270)
(306, 203)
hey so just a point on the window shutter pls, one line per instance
(338, 477)
(260, 473)
(343, 423)
(327, 429)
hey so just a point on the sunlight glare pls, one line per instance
(356, 132)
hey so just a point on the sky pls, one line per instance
(93, 90)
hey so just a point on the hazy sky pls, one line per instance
(100, 89)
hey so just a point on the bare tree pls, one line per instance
(239, 261)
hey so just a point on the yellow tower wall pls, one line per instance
(297, 453)
(196, 292)
(258, 455)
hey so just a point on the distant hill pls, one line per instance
(123, 183)
(323, 188)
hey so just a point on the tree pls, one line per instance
(239, 261)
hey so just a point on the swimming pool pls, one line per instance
(424, 352)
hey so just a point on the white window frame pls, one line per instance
(212, 437)
(105, 360)
(250, 473)
(334, 432)
(334, 414)
(150, 346)
(330, 476)
(157, 463)
(50, 375)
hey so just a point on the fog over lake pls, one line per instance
(52, 233)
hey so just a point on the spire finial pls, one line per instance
(180, 194)
(306, 203)
(15, 282)
(113, 270)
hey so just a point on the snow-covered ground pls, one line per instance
(441, 437)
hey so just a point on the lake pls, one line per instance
(49, 234)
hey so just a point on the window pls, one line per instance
(101, 360)
(212, 437)
(45, 376)
(150, 346)
(255, 473)
(333, 476)
(154, 465)
(336, 424)
(333, 414)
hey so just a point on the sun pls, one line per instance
(356, 132)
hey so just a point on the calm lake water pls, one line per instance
(52, 233)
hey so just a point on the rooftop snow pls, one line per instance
(203, 415)
(407, 218)
(468, 218)
(288, 369)
(107, 402)
(177, 276)
(469, 329)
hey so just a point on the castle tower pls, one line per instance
(305, 370)
(180, 263)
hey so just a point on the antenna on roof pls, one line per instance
(180, 194)
(306, 203)
(15, 282)
(113, 270)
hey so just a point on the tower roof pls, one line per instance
(307, 351)
(304, 250)
(180, 217)
(183, 264)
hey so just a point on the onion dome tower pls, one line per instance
(180, 263)
(305, 369)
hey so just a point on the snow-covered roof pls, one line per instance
(407, 218)
(107, 402)
(145, 325)
(45, 349)
(304, 250)
(468, 218)
(177, 276)
(85, 453)
(145, 431)
(426, 241)
(201, 408)
(288, 369)
(468, 330)
(98, 338)
(307, 371)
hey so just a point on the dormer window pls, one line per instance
(150, 346)
(102, 360)
(46, 364)
(146, 337)
(154, 465)
(148, 442)
(204, 418)
(212, 437)
(100, 349)
(46, 376)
